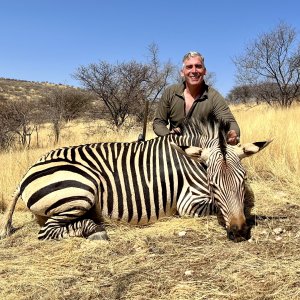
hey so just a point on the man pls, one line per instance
(192, 98)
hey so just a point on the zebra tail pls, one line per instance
(6, 228)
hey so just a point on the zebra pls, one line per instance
(73, 190)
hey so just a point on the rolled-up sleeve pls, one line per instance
(160, 121)
(223, 112)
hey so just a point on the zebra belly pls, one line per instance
(54, 190)
(138, 208)
(144, 219)
(57, 202)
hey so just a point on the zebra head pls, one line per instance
(225, 174)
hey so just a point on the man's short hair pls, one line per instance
(192, 54)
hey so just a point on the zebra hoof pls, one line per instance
(6, 232)
(102, 235)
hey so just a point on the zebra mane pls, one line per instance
(206, 132)
(223, 129)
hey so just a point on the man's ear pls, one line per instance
(246, 150)
(196, 153)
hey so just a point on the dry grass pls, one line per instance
(281, 158)
(156, 262)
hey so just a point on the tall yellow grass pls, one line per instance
(279, 162)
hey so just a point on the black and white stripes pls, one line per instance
(73, 188)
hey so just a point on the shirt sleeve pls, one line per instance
(223, 112)
(160, 121)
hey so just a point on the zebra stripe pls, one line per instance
(140, 182)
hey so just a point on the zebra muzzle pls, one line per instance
(239, 234)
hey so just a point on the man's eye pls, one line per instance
(191, 66)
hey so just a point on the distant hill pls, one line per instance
(20, 90)
(14, 89)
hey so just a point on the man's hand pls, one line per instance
(232, 138)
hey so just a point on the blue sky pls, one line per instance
(47, 40)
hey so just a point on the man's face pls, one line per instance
(193, 70)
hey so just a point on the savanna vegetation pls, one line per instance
(268, 70)
(176, 258)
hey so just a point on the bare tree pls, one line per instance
(62, 105)
(158, 78)
(7, 136)
(210, 78)
(242, 94)
(115, 85)
(76, 103)
(272, 60)
(16, 122)
(124, 87)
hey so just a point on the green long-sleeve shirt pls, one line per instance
(171, 109)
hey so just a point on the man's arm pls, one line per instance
(161, 121)
(222, 111)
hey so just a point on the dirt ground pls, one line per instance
(177, 258)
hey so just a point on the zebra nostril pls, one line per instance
(230, 235)
(232, 232)
(236, 234)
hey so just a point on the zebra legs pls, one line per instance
(56, 228)
(6, 228)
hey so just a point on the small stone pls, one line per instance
(188, 273)
(278, 230)
(278, 238)
(90, 279)
(182, 233)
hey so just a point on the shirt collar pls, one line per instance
(181, 87)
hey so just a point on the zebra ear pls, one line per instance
(246, 150)
(189, 151)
